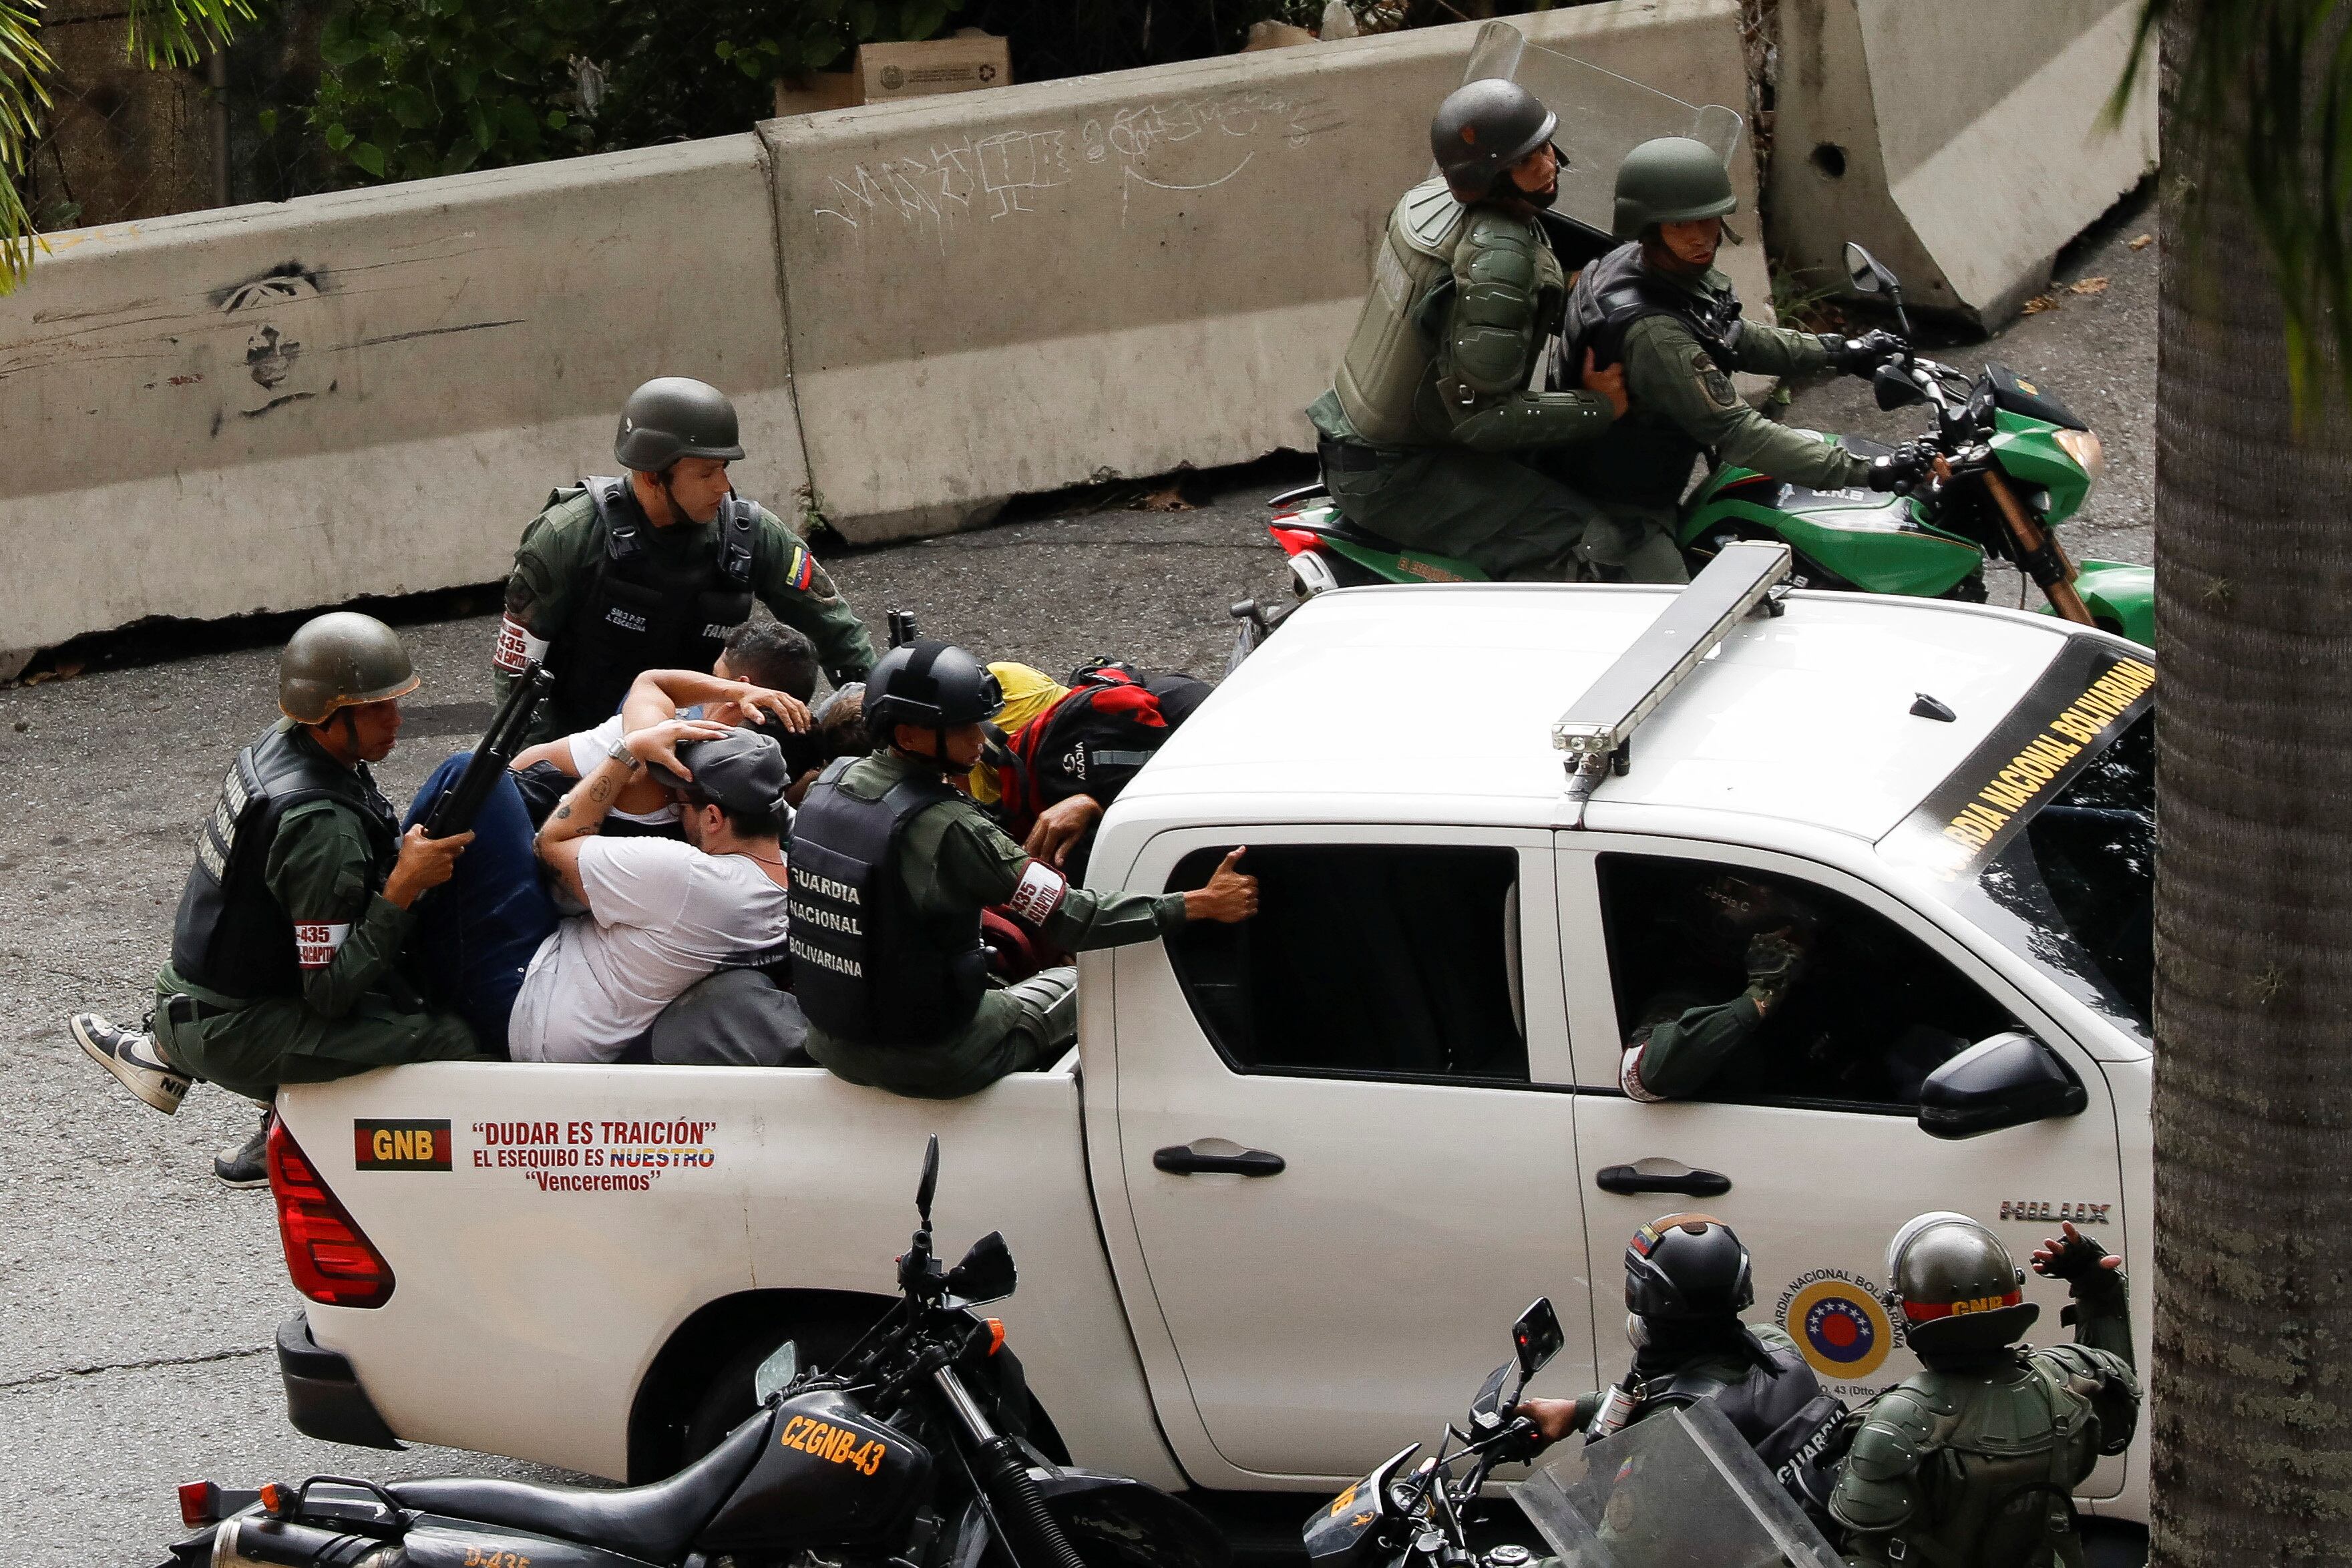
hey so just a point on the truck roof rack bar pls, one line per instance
(1744, 577)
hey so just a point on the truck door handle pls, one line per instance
(1181, 1160)
(1630, 1180)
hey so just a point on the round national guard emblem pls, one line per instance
(893, 79)
(1839, 1326)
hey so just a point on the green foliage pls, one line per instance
(413, 88)
(161, 34)
(25, 66)
(2270, 83)
(417, 87)
(158, 33)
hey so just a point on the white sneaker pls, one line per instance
(133, 1057)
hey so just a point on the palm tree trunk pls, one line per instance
(2251, 1407)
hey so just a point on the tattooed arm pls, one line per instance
(584, 809)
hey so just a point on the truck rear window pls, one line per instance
(1375, 961)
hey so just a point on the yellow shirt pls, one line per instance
(1028, 692)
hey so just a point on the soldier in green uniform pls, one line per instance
(1429, 432)
(1972, 1462)
(651, 571)
(891, 867)
(1687, 1280)
(1682, 1037)
(286, 948)
(1657, 307)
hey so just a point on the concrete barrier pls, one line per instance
(921, 309)
(1021, 290)
(1963, 144)
(270, 407)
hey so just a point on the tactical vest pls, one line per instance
(1759, 1406)
(231, 934)
(1390, 355)
(865, 966)
(1996, 1488)
(636, 613)
(1645, 458)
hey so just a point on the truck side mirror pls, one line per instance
(2005, 1081)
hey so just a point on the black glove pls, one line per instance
(2073, 1257)
(1903, 467)
(1864, 355)
(1774, 961)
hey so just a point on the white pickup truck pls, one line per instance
(1275, 1212)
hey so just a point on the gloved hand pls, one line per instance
(1903, 467)
(2094, 1276)
(2074, 1257)
(1774, 962)
(1864, 355)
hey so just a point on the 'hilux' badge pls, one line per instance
(400, 1145)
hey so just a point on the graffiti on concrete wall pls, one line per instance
(1176, 145)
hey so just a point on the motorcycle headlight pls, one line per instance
(2084, 447)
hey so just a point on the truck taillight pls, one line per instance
(331, 1260)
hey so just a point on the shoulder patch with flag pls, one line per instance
(803, 573)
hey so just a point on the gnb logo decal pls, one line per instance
(410, 1146)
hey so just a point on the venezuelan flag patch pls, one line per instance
(804, 569)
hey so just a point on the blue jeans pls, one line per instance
(475, 934)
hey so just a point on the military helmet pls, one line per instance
(1484, 127)
(1671, 179)
(931, 686)
(674, 416)
(1955, 1286)
(1687, 1266)
(340, 661)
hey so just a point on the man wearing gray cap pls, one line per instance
(660, 915)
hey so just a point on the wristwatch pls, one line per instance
(622, 754)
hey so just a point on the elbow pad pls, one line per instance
(1498, 307)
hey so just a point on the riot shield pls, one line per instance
(1602, 116)
(1680, 1490)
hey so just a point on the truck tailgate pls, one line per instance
(549, 1227)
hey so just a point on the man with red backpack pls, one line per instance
(1060, 753)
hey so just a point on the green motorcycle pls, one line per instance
(2009, 462)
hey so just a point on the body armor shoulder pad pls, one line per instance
(1878, 1488)
(1897, 1430)
(1492, 230)
(1429, 218)
(2025, 1412)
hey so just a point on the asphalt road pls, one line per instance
(138, 1298)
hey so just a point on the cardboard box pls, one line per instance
(817, 90)
(887, 72)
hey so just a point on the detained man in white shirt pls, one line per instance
(663, 915)
(765, 674)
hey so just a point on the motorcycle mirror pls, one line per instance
(777, 1371)
(1536, 1336)
(1868, 275)
(986, 1273)
(931, 1182)
(1487, 1409)
(1892, 389)
(1864, 272)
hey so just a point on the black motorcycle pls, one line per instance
(1396, 1518)
(908, 1453)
